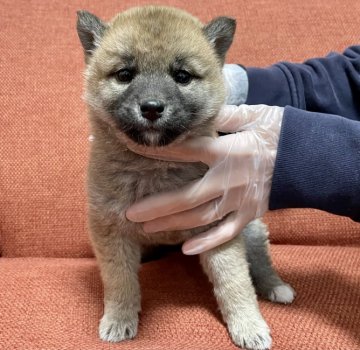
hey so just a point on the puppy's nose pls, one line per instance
(152, 109)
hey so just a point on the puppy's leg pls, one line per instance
(119, 260)
(267, 282)
(228, 270)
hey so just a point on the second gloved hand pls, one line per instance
(237, 183)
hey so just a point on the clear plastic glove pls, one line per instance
(237, 183)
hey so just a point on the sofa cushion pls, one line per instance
(311, 227)
(44, 132)
(55, 304)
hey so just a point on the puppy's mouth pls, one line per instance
(152, 132)
(151, 135)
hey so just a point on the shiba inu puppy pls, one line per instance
(154, 77)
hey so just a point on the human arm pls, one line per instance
(328, 84)
(309, 142)
(243, 181)
(318, 164)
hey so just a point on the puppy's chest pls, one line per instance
(163, 179)
(156, 181)
(114, 184)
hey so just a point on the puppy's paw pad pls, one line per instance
(284, 294)
(251, 335)
(116, 329)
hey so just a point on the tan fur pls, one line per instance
(117, 177)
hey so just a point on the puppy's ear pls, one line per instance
(220, 32)
(90, 31)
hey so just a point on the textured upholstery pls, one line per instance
(50, 291)
(54, 304)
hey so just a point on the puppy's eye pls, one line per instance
(125, 75)
(182, 77)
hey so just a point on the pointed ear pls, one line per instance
(90, 30)
(220, 32)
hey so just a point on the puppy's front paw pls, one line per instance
(120, 327)
(283, 293)
(249, 333)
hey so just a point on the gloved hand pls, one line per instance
(237, 183)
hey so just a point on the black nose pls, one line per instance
(152, 109)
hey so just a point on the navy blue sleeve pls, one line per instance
(317, 164)
(328, 85)
(318, 159)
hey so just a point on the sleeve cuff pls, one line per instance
(236, 83)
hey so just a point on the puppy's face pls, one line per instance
(154, 73)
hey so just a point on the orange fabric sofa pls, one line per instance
(50, 289)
